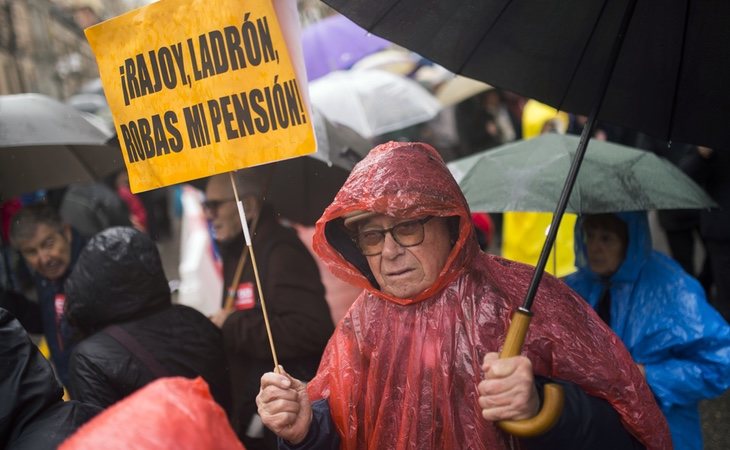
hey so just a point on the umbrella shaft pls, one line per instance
(577, 159)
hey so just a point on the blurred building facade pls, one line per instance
(42, 44)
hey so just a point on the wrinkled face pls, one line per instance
(406, 271)
(48, 251)
(221, 209)
(606, 250)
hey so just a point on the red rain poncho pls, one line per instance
(402, 373)
(169, 413)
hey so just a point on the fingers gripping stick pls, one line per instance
(552, 405)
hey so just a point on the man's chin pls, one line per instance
(223, 238)
(53, 275)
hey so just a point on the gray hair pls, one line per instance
(23, 224)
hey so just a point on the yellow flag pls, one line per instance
(200, 87)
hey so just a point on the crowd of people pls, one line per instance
(413, 363)
(634, 340)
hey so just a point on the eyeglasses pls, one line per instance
(405, 234)
(213, 205)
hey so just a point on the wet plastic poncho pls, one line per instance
(660, 313)
(402, 373)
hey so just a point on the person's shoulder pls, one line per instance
(98, 353)
(191, 315)
(506, 270)
(99, 343)
(663, 269)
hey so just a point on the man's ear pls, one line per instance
(252, 206)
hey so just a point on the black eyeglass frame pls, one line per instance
(384, 231)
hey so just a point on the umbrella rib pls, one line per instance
(483, 37)
(680, 66)
(382, 16)
(582, 55)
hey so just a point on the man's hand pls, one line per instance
(284, 406)
(508, 390)
(220, 317)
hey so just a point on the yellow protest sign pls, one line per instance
(200, 87)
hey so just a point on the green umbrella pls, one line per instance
(528, 175)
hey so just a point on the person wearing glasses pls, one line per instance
(295, 298)
(413, 364)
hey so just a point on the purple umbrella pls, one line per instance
(336, 43)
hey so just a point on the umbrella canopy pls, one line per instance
(336, 43)
(372, 102)
(46, 144)
(528, 175)
(669, 80)
(394, 60)
(459, 88)
(301, 188)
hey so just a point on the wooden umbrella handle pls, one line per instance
(553, 399)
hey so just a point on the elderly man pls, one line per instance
(412, 364)
(294, 295)
(50, 248)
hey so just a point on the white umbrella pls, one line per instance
(459, 88)
(372, 102)
(45, 144)
(393, 60)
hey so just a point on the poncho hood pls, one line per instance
(118, 277)
(637, 252)
(403, 180)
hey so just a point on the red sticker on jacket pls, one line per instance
(245, 297)
(58, 303)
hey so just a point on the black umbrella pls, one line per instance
(661, 68)
(670, 76)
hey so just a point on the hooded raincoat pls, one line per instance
(402, 373)
(33, 415)
(119, 281)
(660, 313)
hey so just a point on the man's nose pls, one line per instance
(390, 247)
(45, 257)
(593, 246)
(208, 213)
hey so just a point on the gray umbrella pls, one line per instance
(528, 175)
(338, 144)
(46, 144)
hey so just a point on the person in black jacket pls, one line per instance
(131, 333)
(295, 298)
(33, 414)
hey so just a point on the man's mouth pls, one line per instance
(397, 273)
(52, 267)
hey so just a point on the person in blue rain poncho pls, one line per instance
(681, 344)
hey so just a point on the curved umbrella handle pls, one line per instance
(552, 405)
